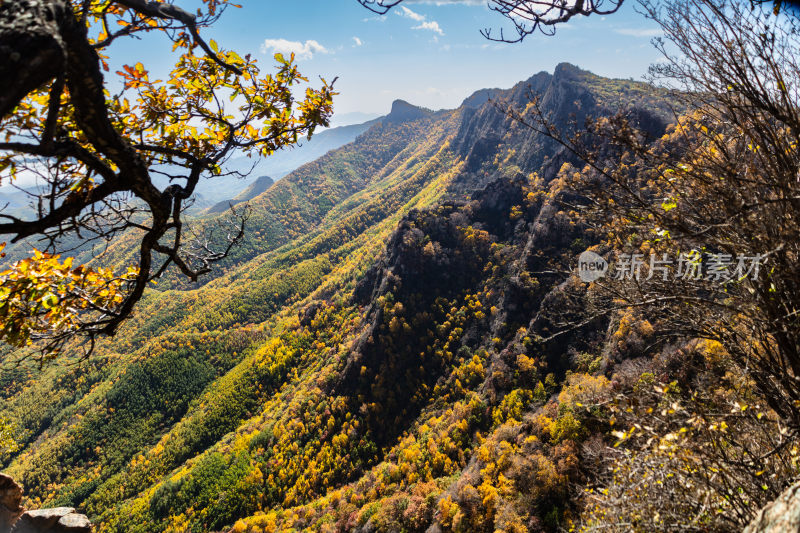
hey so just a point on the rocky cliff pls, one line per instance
(15, 519)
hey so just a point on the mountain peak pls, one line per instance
(264, 182)
(402, 111)
(569, 71)
(480, 97)
(261, 184)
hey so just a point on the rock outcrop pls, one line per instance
(780, 516)
(10, 502)
(15, 519)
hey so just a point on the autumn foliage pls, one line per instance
(98, 156)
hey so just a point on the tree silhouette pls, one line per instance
(526, 16)
(530, 16)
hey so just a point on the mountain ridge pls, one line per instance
(261, 184)
(373, 331)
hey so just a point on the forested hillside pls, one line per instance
(361, 357)
(398, 344)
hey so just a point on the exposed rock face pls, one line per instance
(57, 520)
(780, 516)
(10, 502)
(74, 522)
(15, 519)
(480, 97)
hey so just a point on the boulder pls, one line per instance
(780, 516)
(41, 519)
(73, 523)
(10, 502)
(15, 519)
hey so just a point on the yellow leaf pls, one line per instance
(49, 300)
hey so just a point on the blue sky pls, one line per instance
(427, 52)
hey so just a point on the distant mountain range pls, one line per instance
(209, 191)
(353, 117)
(277, 165)
(284, 161)
(17, 202)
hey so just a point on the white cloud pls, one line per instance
(413, 15)
(633, 32)
(358, 41)
(301, 50)
(424, 23)
(429, 25)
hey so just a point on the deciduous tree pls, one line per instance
(719, 187)
(97, 155)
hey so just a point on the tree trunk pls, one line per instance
(31, 48)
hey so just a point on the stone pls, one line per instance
(10, 493)
(10, 503)
(15, 519)
(73, 523)
(40, 520)
(780, 516)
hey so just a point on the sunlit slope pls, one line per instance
(297, 203)
(180, 341)
(362, 357)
